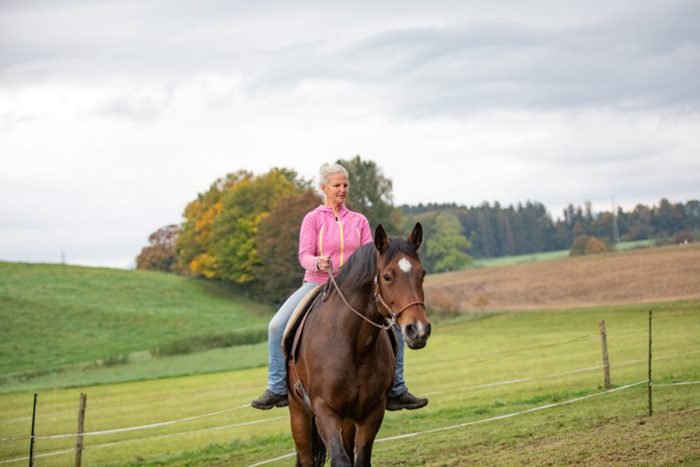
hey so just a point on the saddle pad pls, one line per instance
(296, 318)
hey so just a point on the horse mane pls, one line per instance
(361, 267)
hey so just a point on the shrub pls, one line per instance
(683, 236)
(587, 245)
(442, 304)
(194, 344)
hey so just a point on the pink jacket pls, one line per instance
(326, 232)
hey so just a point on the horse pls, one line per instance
(340, 380)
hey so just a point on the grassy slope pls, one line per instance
(549, 255)
(461, 356)
(54, 314)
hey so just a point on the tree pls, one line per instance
(277, 243)
(668, 218)
(219, 234)
(371, 194)
(587, 245)
(196, 237)
(447, 249)
(160, 254)
(244, 206)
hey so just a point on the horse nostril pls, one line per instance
(411, 331)
(427, 330)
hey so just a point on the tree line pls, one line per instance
(494, 230)
(243, 230)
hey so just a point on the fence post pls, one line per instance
(31, 439)
(81, 426)
(649, 380)
(606, 362)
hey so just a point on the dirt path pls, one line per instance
(638, 276)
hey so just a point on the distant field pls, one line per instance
(472, 370)
(632, 276)
(549, 255)
(54, 315)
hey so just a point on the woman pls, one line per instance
(329, 235)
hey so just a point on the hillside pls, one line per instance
(637, 276)
(56, 314)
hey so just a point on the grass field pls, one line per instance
(69, 318)
(549, 255)
(472, 369)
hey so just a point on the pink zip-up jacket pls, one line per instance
(326, 231)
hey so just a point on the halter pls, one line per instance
(394, 315)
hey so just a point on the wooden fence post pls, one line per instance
(649, 381)
(31, 439)
(606, 362)
(81, 426)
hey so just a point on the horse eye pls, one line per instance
(387, 277)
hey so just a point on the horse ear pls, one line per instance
(416, 237)
(381, 241)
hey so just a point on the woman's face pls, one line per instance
(336, 189)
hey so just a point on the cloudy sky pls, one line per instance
(115, 114)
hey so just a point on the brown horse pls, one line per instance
(345, 367)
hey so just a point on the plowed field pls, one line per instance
(638, 276)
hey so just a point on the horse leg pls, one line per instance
(366, 432)
(349, 439)
(330, 428)
(301, 432)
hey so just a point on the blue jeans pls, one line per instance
(277, 371)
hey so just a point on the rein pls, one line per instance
(377, 297)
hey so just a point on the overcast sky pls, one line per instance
(115, 114)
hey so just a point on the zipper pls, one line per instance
(320, 240)
(342, 237)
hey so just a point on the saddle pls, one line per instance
(292, 332)
(295, 325)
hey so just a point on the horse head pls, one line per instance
(399, 284)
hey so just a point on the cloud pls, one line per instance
(114, 114)
(138, 108)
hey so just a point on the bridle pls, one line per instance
(393, 315)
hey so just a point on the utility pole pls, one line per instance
(616, 229)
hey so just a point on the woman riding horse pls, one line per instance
(343, 365)
(329, 235)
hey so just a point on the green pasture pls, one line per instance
(549, 255)
(472, 370)
(69, 318)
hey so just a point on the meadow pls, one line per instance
(61, 322)
(549, 255)
(475, 367)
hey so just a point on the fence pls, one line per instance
(79, 435)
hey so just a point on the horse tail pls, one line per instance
(317, 447)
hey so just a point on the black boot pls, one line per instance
(405, 400)
(269, 400)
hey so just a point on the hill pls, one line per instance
(55, 315)
(636, 276)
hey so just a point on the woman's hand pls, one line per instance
(323, 263)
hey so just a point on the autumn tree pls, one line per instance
(587, 245)
(244, 206)
(196, 239)
(160, 254)
(279, 271)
